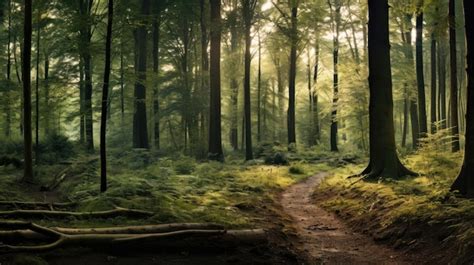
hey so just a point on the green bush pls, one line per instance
(55, 148)
(296, 169)
(184, 166)
(276, 159)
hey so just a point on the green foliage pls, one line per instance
(56, 148)
(184, 165)
(296, 169)
(28, 260)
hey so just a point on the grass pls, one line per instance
(423, 204)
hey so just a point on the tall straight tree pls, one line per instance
(8, 113)
(292, 73)
(232, 18)
(384, 161)
(215, 134)
(420, 77)
(85, 10)
(140, 128)
(105, 99)
(248, 9)
(465, 180)
(155, 50)
(336, 24)
(454, 77)
(26, 68)
(434, 79)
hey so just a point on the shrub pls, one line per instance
(276, 159)
(296, 169)
(184, 166)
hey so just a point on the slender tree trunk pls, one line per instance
(259, 90)
(105, 98)
(420, 76)
(442, 83)
(37, 104)
(9, 67)
(156, 101)
(336, 29)
(317, 128)
(204, 73)
(454, 81)
(464, 183)
(248, 16)
(140, 128)
(215, 135)
(46, 96)
(122, 85)
(82, 123)
(292, 77)
(384, 161)
(405, 115)
(434, 80)
(234, 84)
(26, 61)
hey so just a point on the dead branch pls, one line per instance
(35, 205)
(118, 212)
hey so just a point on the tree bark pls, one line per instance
(26, 76)
(464, 183)
(454, 78)
(248, 9)
(336, 15)
(105, 99)
(140, 126)
(384, 161)
(420, 76)
(9, 67)
(156, 101)
(292, 76)
(215, 134)
(234, 84)
(434, 80)
(442, 83)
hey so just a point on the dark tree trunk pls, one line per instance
(234, 84)
(259, 90)
(434, 79)
(46, 96)
(204, 73)
(420, 76)
(248, 9)
(140, 126)
(384, 161)
(292, 77)
(464, 183)
(37, 102)
(26, 62)
(156, 102)
(454, 81)
(336, 29)
(315, 106)
(122, 85)
(105, 98)
(82, 123)
(442, 83)
(85, 8)
(9, 67)
(215, 134)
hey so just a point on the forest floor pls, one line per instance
(311, 217)
(325, 238)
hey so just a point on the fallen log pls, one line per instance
(19, 235)
(192, 238)
(118, 212)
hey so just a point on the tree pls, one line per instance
(292, 75)
(419, 74)
(384, 161)
(248, 9)
(105, 99)
(215, 136)
(26, 77)
(464, 183)
(140, 128)
(454, 78)
(336, 24)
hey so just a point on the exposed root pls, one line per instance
(23, 214)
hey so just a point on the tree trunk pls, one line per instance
(46, 96)
(420, 76)
(26, 62)
(37, 104)
(434, 78)
(9, 67)
(464, 183)
(248, 16)
(156, 101)
(336, 28)
(234, 84)
(384, 161)
(317, 129)
(405, 115)
(140, 126)
(215, 135)
(292, 76)
(204, 74)
(454, 81)
(442, 83)
(259, 90)
(105, 97)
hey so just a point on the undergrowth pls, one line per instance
(406, 211)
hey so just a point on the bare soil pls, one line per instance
(324, 238)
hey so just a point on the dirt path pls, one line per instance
(325, 238)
